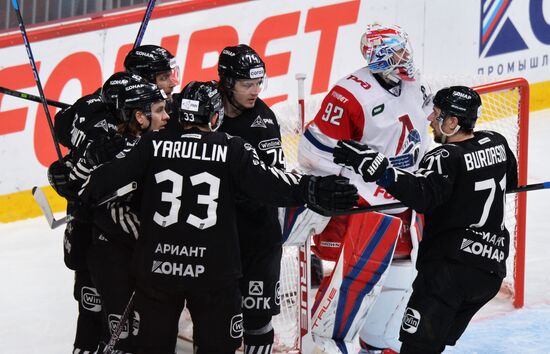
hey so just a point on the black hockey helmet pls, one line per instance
(139, 95)
(198, 102)
(114, 85)
(149, 60)
(240, 62)
(461, 102)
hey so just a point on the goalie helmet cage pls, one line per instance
(505, 109)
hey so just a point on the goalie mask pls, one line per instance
(461, 102)
(199, 102)
(387, 51)
(139, 96)
(150, 60)
(240, 63)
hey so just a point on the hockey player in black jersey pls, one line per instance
(188, 249)
(90, 128)
(242, 73)
(461, 189)
(157, 66)
(116, 224)
(88, 119)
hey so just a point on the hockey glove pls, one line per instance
(328, 193)
(362, 159)
(104, 149)
(58, 176)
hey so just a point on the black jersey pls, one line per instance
(188, 233)
(461, 188)
(259, 127)
(172, 110)
(118, 221)
(88, 118)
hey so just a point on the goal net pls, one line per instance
(505, 109)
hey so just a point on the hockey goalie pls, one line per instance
(384, 105)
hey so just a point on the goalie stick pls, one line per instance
(366, 209)
(44, 205)
(36, 77)
(27, 96)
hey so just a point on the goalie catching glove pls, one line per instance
(369, 163)
(328, 193)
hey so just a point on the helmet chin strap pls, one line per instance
(445, 135)
(240, 109)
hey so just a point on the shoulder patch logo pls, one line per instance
(377, 110)
(258, 123)
(102, 124)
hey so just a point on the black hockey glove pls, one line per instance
(362, 159)
(104, 149)
(58, 176)
(328, 193)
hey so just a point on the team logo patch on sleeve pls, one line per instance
(411, 320)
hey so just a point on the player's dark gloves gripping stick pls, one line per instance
(370, 164)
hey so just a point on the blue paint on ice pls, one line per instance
(518, 332)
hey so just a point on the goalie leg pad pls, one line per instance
(369, 243)
(382, 323)
(297, 224)
(329, 242)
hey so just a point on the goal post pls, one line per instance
(516, 93)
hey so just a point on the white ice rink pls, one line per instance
(38, 312)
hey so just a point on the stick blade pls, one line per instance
(42, 201)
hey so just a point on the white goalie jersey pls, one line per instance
(359, 108)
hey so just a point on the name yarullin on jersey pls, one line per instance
(190, 150)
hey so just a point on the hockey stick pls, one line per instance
(34, 98)
(366, 209)
(144, 22)
(120, 326)
(36, 77)
(42, 201)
